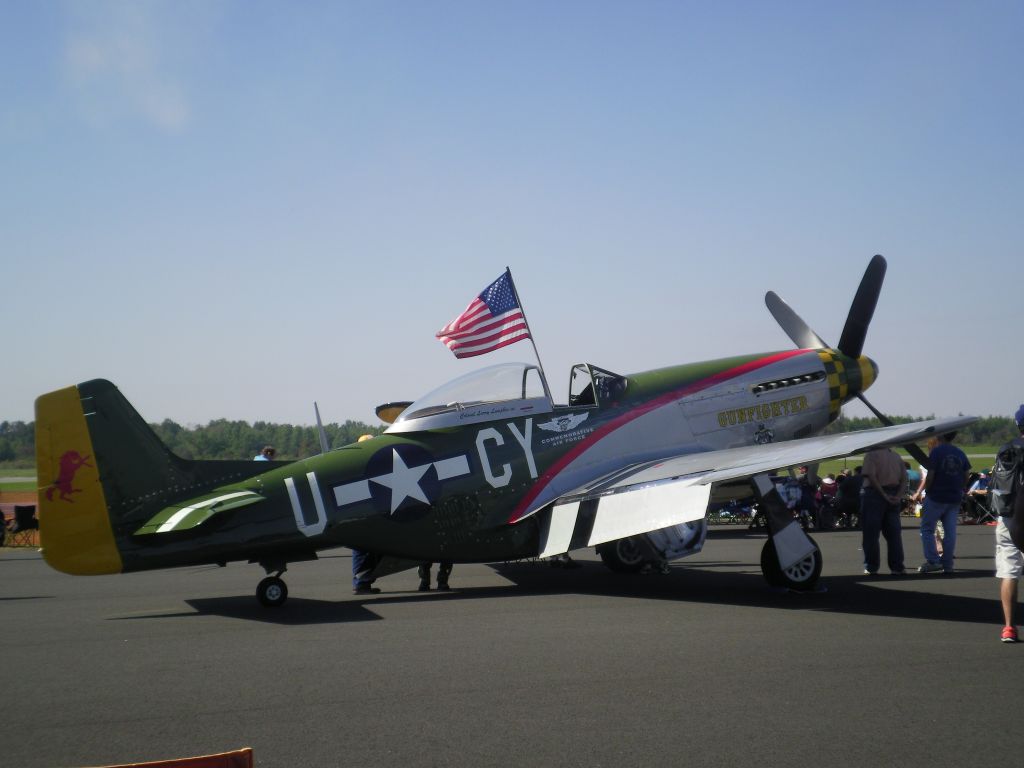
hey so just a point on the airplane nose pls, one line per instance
(847, 377)
(868, 372)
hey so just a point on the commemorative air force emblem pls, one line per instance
(564, 423)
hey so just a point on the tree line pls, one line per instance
(220, 439)
(223, 439)
(987, 430)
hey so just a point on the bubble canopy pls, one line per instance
(500, 391)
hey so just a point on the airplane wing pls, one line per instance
(652, 495)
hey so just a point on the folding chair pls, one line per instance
(974, 510)
(22, 530)
(982, 511)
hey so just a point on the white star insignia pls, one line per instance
(404, 481)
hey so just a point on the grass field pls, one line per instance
(9, 484)
(17, 486)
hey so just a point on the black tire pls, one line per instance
(272, 592)
(802, 576)
(624, 555)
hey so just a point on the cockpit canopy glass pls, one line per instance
(500, 391)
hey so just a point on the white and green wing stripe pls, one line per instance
(196, 512)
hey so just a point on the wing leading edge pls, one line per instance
(649, 496)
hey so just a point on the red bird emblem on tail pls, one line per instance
(70, 463)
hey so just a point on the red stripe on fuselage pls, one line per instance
(634, 413)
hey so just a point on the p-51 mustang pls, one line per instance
(487, 468)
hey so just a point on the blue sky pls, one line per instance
(231, 209)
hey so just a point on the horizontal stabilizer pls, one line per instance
(185, 517)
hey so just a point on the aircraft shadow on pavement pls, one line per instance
(906, 597)
(297, 611)
(870, 596)
(301, 611)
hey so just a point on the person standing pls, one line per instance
(1009, 560)
(885, 483)
(1009, 567)
(944, 490)
(268, 453)
(917, 497)
(444, 570)
(363, 563)
(808, 504)
(848, 497)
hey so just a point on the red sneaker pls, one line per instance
(1009, 635)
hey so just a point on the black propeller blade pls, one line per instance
(794, 326)
(851, 343)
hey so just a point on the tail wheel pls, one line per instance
(272, 592)
(624, 555)
(802, 576)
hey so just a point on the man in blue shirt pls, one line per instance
(944, 490)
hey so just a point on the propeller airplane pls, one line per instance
(486, 468)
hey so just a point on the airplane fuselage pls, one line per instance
(467, 492)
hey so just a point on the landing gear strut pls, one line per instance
(789, 558)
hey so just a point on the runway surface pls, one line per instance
(522, 664)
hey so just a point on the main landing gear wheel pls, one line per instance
(802, 576)
(623, 555)
(272, 592)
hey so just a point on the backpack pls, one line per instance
(1007, 477)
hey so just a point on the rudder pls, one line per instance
(74, 524)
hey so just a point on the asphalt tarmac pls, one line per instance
(522, 664)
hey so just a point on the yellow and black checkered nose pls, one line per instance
(846, 377)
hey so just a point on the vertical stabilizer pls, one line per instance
(74, 524)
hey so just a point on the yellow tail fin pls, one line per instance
(74, 524)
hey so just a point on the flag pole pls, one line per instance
(540, 365)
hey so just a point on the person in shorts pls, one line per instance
(1009, 561)
(1009, 566)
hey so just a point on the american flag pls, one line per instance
(492, 320)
